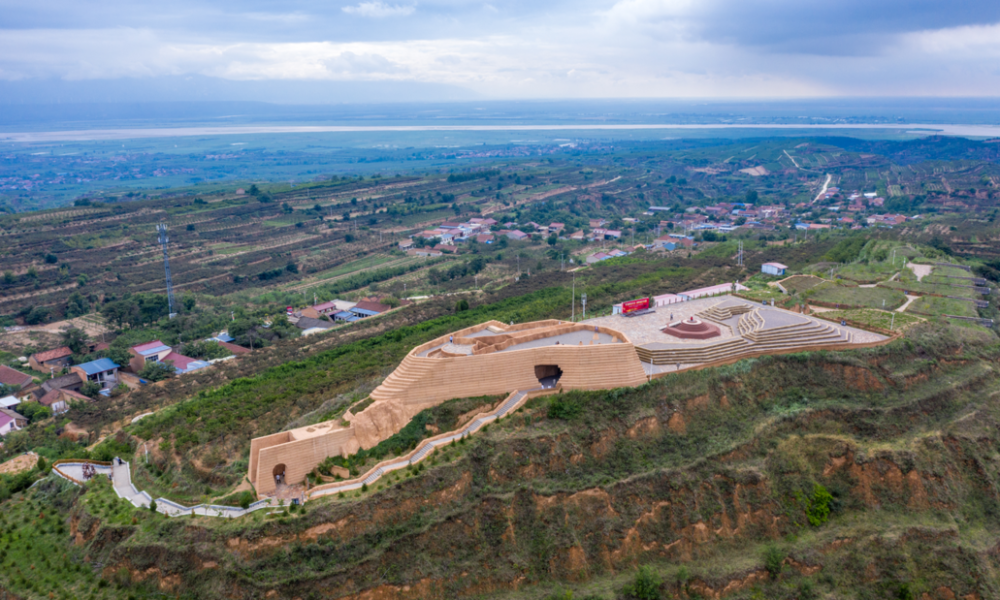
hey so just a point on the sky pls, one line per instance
(517, 49)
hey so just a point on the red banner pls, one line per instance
(634, 305)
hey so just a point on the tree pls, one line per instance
(91, 389)
(189, 302)
(751, 197)
(8, 390)
(152, 505)
(8, 277)
(119, 356)
(82, 279)
(291, 267)
(76, 339)
(38, 315)
(157, 371)
(190, 227)
(76, 305)
(51, 258)
(461, 305)
(206, 350)
(34, 411)
(254, 191)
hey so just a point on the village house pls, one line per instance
(14, 378)
(333, 307)
(773, 268)
(58, 400)
(673, 242)
(309, 325)
(103, 371)
(71, 381)
(426, 252)
(606, 234)
(366, 309)
(51, 360)
(154, 351)
(11, 421)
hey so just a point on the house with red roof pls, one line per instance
(58, 400)
(56, 359)
(14, 378)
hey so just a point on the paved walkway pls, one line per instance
(423, 451)
(121, 481)
(909, 300)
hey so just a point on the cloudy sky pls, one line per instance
(522, 48)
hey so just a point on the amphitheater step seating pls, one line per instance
(694, 354)
(720, 314)
(756, 337)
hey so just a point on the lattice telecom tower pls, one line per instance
(162, 228)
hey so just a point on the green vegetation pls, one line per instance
(856, 297)
(878, 319)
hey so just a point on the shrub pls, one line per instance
(645, 586)
(561, 407)
(819, 506)
(152, 505)
(773, 561)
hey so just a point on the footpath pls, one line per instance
(121, 478)
(121, 481)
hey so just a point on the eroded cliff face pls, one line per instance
(666, 478)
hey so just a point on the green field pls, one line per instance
(879, 319)
(934, 305)
(856, 296)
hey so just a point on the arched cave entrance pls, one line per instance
(548, 375)
(278, 472)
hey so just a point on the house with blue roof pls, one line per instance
(103, 371)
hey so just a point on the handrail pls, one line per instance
(421, 451)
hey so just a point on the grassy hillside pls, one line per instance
(866, 475)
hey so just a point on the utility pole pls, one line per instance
(583, 300)
(162, 229)
(573, 318)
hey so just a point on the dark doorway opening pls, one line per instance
(548, 375)
(279, 473)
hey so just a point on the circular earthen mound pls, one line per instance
(692, 329)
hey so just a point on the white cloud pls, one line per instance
(596, 48)
(379, 10)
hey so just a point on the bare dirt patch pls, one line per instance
(19, 464)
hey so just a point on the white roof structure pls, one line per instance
(9, 401)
